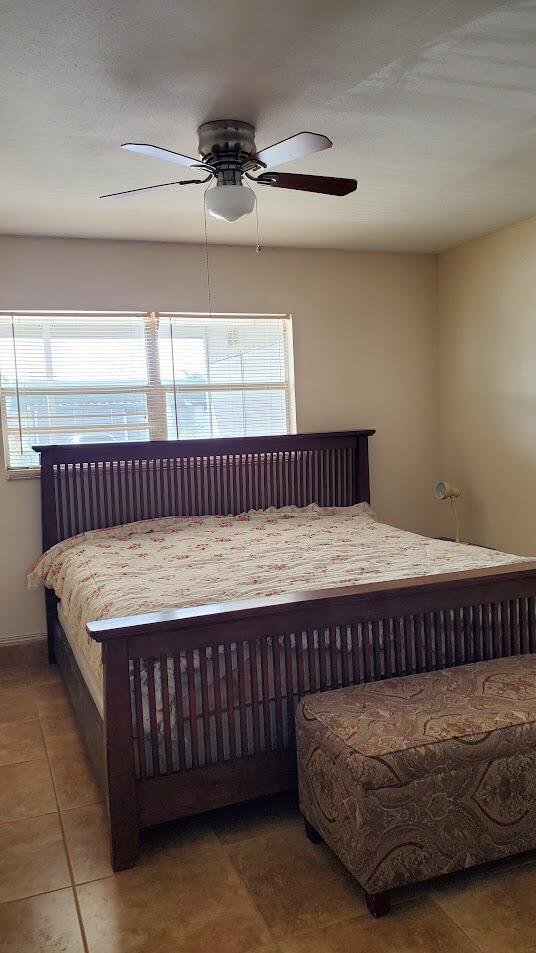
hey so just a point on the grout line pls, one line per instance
(356, 915)
(30, 896)
(66, 848)
(478, 948)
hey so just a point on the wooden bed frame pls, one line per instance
(358, 633)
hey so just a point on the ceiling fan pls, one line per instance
(229, 154)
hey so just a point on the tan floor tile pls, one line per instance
(44, 924)
(36, 653)
(498, 912)
(45, 675)
(17, 702)
(21, 741)
(178, 841)
(58, 720)
(13, 655)
(67, 740)
(418, 927)
(86, 833)
(72, 772)
(25, 791)
(48, 696)
(253, 818)
(271, 947)
(188, 907)
(14, 673)
(32, 857)
(295, 884)
(267, 948)
(14, 684)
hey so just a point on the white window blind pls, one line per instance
(89, 378)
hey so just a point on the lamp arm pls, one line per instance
(456, 518)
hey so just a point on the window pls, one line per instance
(89, 378)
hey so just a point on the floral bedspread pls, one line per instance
(176, 562)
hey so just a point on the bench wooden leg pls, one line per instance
(378, 904)
(311, 833)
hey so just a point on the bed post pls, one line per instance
(48, 523)
(119, 756)
(361, 478)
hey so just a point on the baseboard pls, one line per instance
(22, 639)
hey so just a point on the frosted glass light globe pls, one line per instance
(230, 202)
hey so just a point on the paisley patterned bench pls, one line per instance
(410, 778)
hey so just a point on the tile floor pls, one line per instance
(241, 880)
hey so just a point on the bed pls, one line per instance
(198, 589)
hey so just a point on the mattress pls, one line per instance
(187, 561)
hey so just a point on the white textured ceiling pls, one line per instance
(431, 106)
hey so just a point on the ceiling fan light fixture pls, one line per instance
(230, 202)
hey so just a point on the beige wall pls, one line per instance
(365, 355)
(487, 310)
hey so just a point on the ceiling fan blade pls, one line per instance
(326, 184)
(302, 144)
(147, 188)
(157, 153)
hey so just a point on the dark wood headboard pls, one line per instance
(91, 486)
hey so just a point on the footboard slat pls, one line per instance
(376, 649)
(532, 623)
(524, 626)
(367, 651)
(289, 684)
(300, 668)
(150, 663)
(459, 645)
(242, 700)
(179, 711)
(255, 695)
(515, 613)
(429, 659)
(205, 705)
(166, 712)
(217, 700)
(311, 660)
(470, 632)
(346, 651)
(231, 725)
(506, 635)
(141, 769)
(265, 683)
(192, 708)
(496, 627)
(487, 632)
(276, 661)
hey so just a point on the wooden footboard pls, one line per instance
(199, 703)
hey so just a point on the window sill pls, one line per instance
(22, 474)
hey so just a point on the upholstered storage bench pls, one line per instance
(409, 778)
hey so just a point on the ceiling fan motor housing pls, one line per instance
(227, 145)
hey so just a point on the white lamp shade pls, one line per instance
(230, 202)
(445, 491)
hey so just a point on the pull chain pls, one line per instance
(207, 262)
(258, 248)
